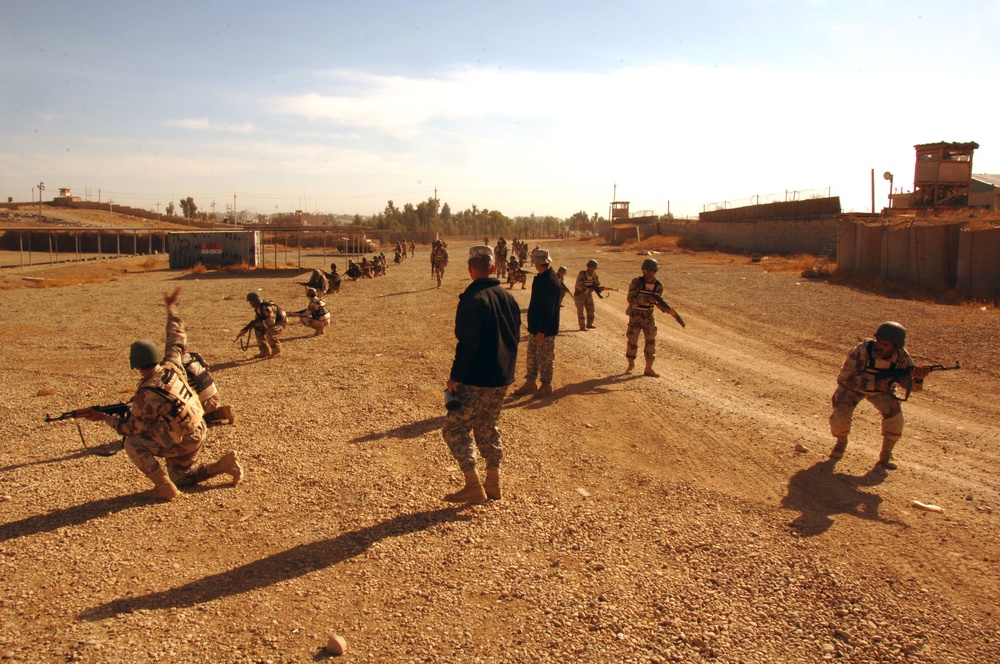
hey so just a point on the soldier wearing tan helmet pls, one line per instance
(858, 380)
(166, 418)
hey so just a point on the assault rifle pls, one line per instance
(902, 375)
(116, 410)
(670, 310)
(599, 289)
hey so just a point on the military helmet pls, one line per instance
(310, 292)
(592, 263)
(144, 353)
(253, 297)
(650, 264)
(562, 268)
(892, 332)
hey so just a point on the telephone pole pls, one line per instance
(41, 188)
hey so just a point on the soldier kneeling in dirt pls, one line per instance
(166, 418)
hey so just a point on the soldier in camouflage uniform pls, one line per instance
(857, 381)
(563, 288)
(319, 282)
(315, 315)
(267, 325)
(439, 260)
(587, 283)
(333, 279)
(488, 329)
(640, 316)
(543, 326)
(166, 417)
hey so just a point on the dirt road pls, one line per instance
(693, 517)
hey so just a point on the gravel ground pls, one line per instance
(682, 519)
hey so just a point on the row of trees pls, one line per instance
(474, 221)
(431, 215)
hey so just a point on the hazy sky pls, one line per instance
(523, 107)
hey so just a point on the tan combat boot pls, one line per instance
(228, 465)
(631, 365)
(226, 413)
(492, 484)
(649, 370)
(264, 353)
(544, 390)
(529, 387)
(885, 458)
(472, 492)
(838, 450)
(163, 488)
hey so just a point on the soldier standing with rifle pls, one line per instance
(644, 293)
(166, 416)
(587, 283)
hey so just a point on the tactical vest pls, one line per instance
(876, 363)
(185, 413)
(320, 312)
(645, 287)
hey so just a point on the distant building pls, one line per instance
(984, 191)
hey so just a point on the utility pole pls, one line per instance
(157, 210)
(41, 188)
(234, 209)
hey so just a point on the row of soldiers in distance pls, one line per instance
(270, 319)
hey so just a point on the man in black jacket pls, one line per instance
(543, 325)
(488, 329)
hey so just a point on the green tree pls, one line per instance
(188, 208)
(170, 209)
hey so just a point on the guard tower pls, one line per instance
(943, 174)
(619, 211)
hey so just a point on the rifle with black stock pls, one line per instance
(895, 376)
(669, 309)
(123, 410)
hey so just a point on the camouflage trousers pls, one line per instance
(640, 321)
(541, 358)
(479, 413)
(845, 401)
(179, 457)
(316, 324)
(212, 403)
(585, 304)
(267, 339)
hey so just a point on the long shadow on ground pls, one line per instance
(290, 564)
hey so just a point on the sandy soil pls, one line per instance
(693, 517)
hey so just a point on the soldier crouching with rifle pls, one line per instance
(870, 372)
(167, 419)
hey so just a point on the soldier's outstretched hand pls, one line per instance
(171, 299)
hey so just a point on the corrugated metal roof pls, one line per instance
(988, 179)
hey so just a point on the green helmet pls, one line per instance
(892, 332)
(143, 354)
(592, 263)
(650, 264)
(253, 297)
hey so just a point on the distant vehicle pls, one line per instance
(355, 244)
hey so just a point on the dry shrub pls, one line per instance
(798, 263)
(657, 243)
(935, 294)
(197, 268)
(151, 263)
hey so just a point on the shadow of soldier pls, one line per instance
(592, 387)
(292, 563)
(818, 494)
(70, 516)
